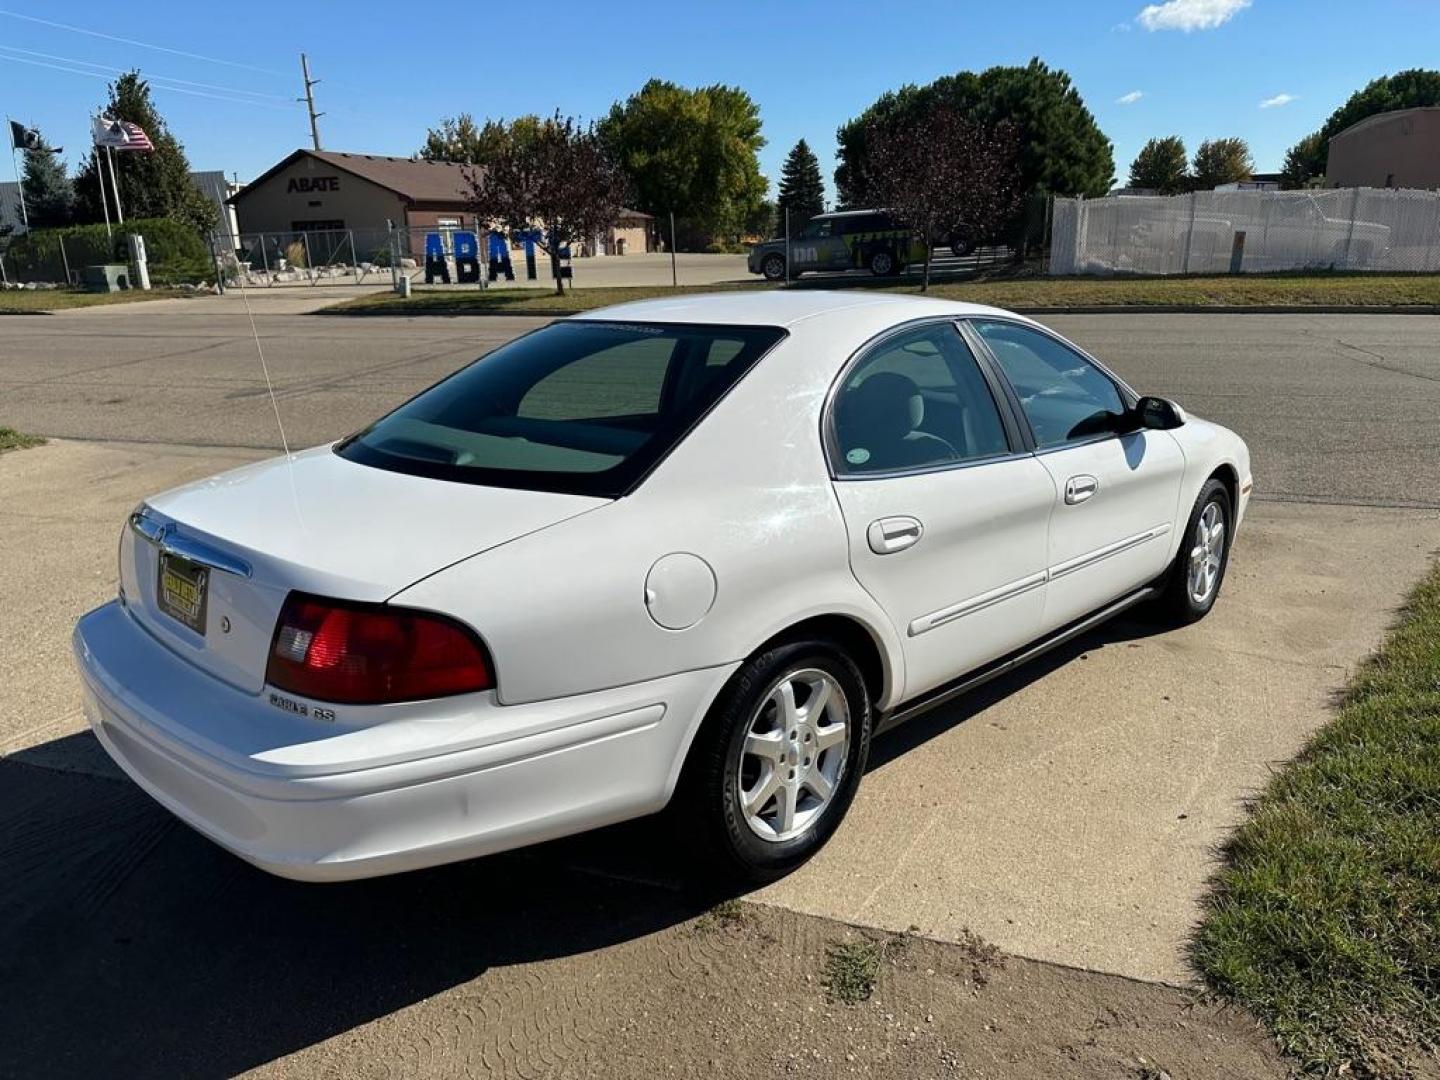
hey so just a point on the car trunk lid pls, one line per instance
(237, 544)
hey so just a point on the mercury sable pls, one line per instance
(686, 553)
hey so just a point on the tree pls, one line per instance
(1161, 166)
(1221, 161)
(1415, 88)
(1298, 168)
(458, 138)
(1062, 150)
(49, 195)
(154, 184)
(563, 181)
(694, 153)
(939, 169)
(802, 188)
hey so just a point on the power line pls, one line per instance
(140, 44)
(149, 77)
(155, 86)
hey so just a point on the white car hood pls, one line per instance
(321, 523)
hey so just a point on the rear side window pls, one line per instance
(917, 400)
(582, 407)
(1064, 396)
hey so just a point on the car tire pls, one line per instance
(883, 263)
(773, 267)
(755, 843)
(1193, 582)
(961, 245)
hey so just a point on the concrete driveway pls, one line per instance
(1067, 814)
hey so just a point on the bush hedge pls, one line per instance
(176, 254)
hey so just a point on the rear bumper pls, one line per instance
(318, 802)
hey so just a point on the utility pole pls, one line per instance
(309, 100)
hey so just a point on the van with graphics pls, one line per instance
(848, 240)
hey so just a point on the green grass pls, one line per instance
(1011, 291)
(1325, 920)
(26, 301)
(10, 439)
(726, 915)
(852, 967)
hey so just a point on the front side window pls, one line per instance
(582, 407)
(917, 400)
(1064, 396)
(818, 229)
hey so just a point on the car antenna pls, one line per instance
(264, 367)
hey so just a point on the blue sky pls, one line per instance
(390, 70)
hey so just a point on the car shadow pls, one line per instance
(130, 945)
(899, 740)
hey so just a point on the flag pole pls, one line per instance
(115, 186)
(19, 176)
(104, 202)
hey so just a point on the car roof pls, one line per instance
(784, 307)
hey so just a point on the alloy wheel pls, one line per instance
(1207, 553)
(793, 754)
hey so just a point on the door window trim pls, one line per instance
(1015, 434)
(1128, 396)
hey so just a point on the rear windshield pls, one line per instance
(582, 407)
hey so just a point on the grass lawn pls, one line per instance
(1031, 293)
(10, 439)
(1326, 918)
(26, 301)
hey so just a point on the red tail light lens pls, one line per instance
(371, 654)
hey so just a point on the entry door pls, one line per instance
(947, 524)
(1116, 493)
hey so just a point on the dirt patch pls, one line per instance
(758, 992)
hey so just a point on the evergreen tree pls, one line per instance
(802, 189)
(1161, 166)
(154, 184)
(49, 195)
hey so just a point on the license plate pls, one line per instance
(183, 591)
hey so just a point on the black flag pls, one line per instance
(23, 138)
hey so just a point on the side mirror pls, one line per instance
(1158, 413)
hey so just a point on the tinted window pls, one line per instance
(584, 407)
(818, 229)
(918, 399)
(1064, 396)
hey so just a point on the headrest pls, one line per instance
(883, 409)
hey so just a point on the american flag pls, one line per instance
(120, 135)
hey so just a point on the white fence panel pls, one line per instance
(1215, 232)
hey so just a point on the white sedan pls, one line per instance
(689, 553)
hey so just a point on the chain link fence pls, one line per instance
(1217, 232)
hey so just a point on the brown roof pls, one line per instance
(418, 181)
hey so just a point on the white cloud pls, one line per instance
(1190, 15)
(1277, 100)
(1130, 98)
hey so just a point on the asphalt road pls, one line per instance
(1336, 408)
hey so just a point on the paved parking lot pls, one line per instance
(1066, 814)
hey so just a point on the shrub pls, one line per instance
(295, 253)
(174, 252)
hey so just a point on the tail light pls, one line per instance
(371, 654)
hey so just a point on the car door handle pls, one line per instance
(892, 534)
(1080, 488)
